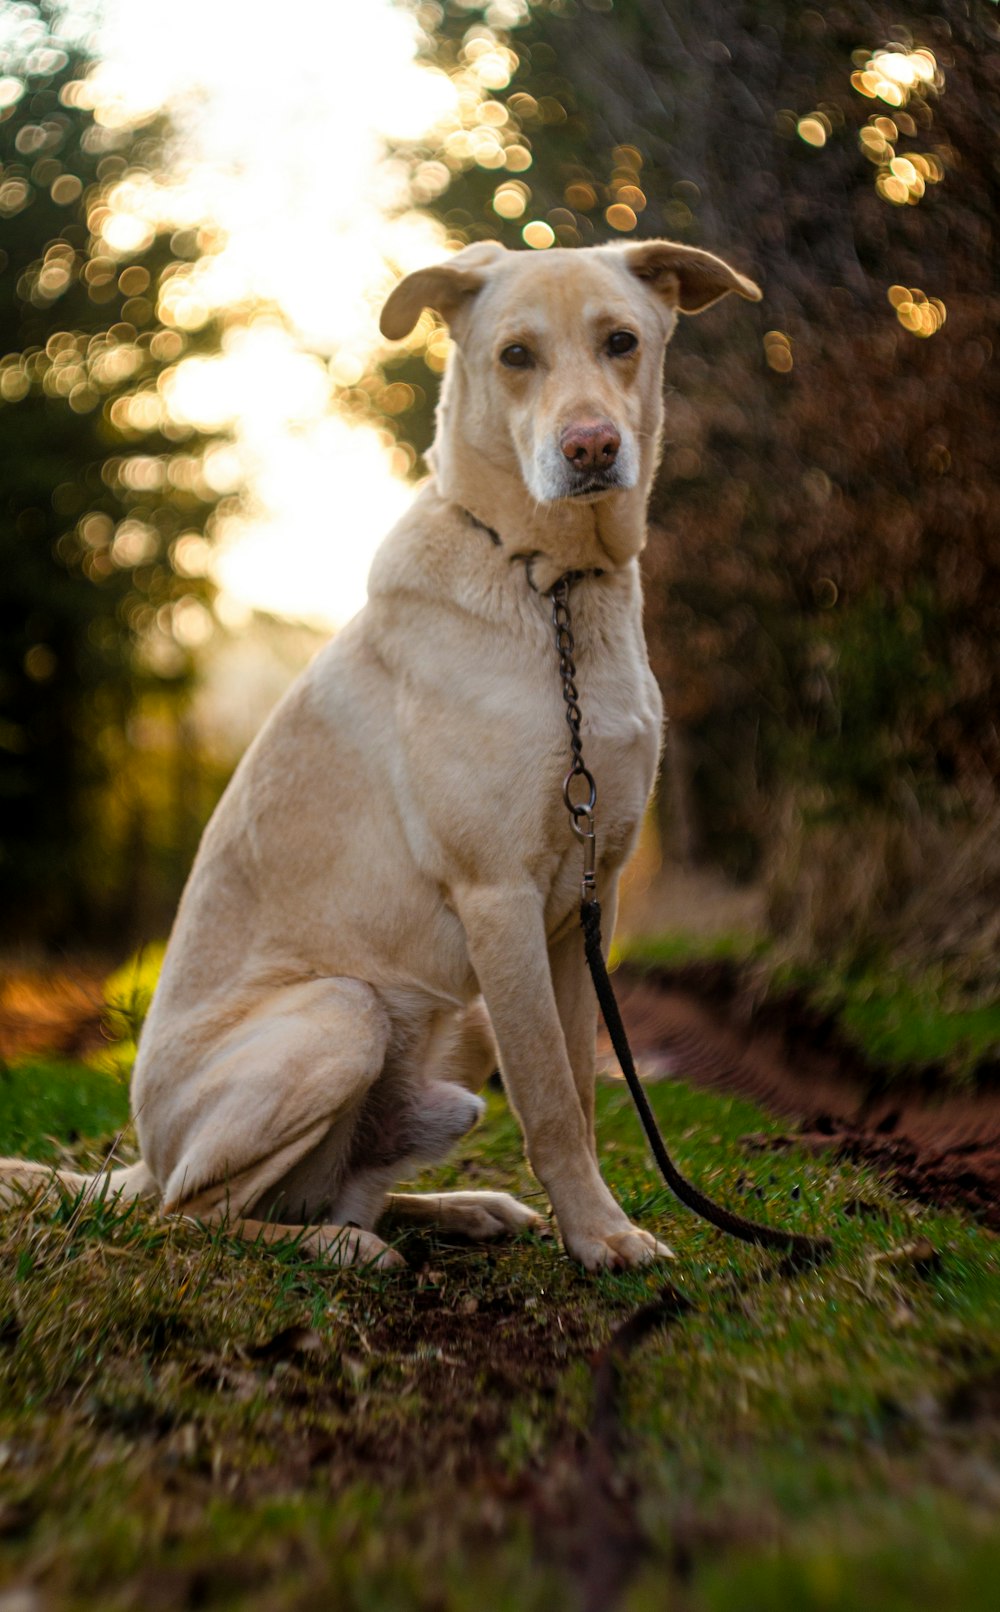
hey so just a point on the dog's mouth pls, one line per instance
(603, 481)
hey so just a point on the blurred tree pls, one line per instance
(823, 597)
(104, 494)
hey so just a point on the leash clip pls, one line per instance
(588, 839)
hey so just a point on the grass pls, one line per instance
(187, 1421)
(676, 950)
(898, 1022)
(49, 1104)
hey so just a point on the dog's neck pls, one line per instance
(562, 536)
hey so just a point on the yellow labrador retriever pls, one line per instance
(390, 880)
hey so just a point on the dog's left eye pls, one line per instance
(621, 342)
(516, 357)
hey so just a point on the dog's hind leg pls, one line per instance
(403, 1126)
(480, 1216)
(262, 1125)
(339, 1245)
(23, 1181)
(444, 1114)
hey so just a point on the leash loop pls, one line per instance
(797, 1247)
(584, 808)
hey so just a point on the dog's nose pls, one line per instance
(591, 444)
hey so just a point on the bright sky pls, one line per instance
(282, 110)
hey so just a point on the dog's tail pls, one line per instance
(23, 1182)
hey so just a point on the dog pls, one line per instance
(384, 905)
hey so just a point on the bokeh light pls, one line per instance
(778, 351)
(510, 200)
(538, 234)
(919, 314)
(814, 130)
(894, 76)
(621, 217)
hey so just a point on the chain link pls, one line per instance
(581, 812)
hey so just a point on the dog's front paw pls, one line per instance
(619, 1250)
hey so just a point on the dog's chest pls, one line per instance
(621, 722)
(481, 743)
(621, 717)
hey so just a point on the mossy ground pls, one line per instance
(186, 1421)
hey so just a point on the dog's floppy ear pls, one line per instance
(445, 287)
(686, 277)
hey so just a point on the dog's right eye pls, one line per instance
(516, 357)
(621, 342)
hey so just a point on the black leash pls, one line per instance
(798, 1247)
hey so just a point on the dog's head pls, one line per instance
(558, 361)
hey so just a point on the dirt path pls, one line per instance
(944, 1150)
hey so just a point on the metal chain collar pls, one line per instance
(581, 813)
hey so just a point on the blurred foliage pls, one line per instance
(104, 502)
(128, 993)
(823, 598)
